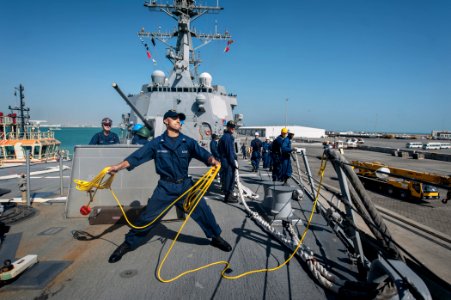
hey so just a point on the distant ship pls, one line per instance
(18, 134)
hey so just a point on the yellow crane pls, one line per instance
(401, 182)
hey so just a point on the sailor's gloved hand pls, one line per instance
(213, 162)
(236, 164)
(116, 168)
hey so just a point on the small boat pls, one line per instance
(18, 135)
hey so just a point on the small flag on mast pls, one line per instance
(149, 56)
(227, 48)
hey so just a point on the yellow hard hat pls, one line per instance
(284, 130)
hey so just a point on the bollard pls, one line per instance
(267, 203)
(282, 202)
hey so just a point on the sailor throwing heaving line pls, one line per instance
(172, 152)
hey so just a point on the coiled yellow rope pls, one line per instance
(194, 195)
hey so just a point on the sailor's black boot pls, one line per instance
(220, 243)
(230, 199)
(119, 252)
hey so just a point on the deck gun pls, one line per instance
(133, 107)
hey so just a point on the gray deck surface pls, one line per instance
(90, 276)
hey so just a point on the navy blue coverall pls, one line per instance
(100, 139)
(243, 151)
(256, 146)
(266, 157)
(214, 149)
(276, 153)
(286, 169)
(227, 153)
(172, 157)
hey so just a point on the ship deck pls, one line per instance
(89, 275)
(83, 272)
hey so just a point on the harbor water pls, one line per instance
(71, 136)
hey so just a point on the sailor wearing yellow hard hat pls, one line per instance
(279, 150)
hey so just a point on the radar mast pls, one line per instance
(183, 54)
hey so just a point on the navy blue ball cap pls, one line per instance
(231, 124)
(172, 114)
(107, 120)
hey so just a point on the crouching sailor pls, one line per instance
(172, 152)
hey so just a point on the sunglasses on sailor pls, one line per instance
(106, 124)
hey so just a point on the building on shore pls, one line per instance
(274, 131)
(441, 135)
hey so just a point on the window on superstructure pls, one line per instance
(37, 151)
(9, 151)
(44, 151)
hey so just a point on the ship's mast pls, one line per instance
(22, 109)
(182, 55)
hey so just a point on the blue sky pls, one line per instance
(379, 65)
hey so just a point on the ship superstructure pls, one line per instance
(207, 107)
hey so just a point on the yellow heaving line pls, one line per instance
(193, 196)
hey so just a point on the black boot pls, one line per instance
(230, 199)
(220, 243)
(119, 252)
(285, 182)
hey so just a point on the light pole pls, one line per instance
(286, 109)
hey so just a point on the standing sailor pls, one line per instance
(214, 146)
(266, 157)
(229, 162)
(286, 168)
(106, 136)
(276, 152)
(256, 147)
(172, 152)
(243, 150)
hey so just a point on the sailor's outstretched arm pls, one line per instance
(118, 167)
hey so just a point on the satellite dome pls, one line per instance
(200, 100)
(205, 79)
(158, 77)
